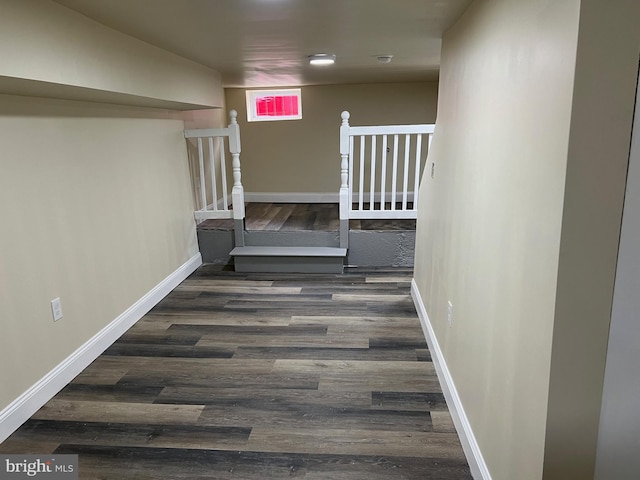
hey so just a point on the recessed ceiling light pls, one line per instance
(322, 59)
(384, 58)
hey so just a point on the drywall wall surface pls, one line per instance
(303, 155)
(52, 48)
(601, 123)
(489, 225)
(96, 209)
(619, 431)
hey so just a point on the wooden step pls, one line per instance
(289, 259)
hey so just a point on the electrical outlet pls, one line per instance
(56, 309)
(449, 312)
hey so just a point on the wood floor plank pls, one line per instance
(419, 401)
(353, 368)
(392, 383)
(110, 393)
(156, 323)
(28, 445)
(195, 366)
(442, 422)
(240, 290)
(256, 330)
(261, 221)
(155, 350)
(293, 341)
(118, 412)
(412, 332)
(102, 372)
(354, 320)
(329, 352)
(151, 435)
(373, 297)
(355, 442)
(207, 379)
(255, 397)
(386, 279)
(225, 282)
(278, 221)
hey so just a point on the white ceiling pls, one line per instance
(267, 42)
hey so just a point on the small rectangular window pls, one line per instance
(270, 105)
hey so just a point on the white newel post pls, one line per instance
(237, 193)
(345, 201)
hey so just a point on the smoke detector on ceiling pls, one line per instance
(384, 58)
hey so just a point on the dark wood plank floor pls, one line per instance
(302, 216)
(260, 376)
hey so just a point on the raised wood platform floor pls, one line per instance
(302, 216)
(260, 376)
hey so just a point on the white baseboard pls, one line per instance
(291, 197)
(21, 409)
(470, 446)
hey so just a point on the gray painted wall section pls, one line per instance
(215, 246)
(381, 249)
(619, 436)
(367, 248)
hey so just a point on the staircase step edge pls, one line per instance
(253, 251)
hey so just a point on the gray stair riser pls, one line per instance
(276, 264)
(366, 248)
(292, 239)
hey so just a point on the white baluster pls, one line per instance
(405, 182)
(416, 180)
(350, 172)
(394, 173)
(372, 184)
(223, 172)
(383, 168)
(203, 188)
(214, 183)
(361, 179)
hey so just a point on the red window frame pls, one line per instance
(270, 105)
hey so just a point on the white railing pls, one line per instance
(212, 183)
(380, 169)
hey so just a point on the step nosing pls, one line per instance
(289, 251)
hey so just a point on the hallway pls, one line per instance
(260, 376)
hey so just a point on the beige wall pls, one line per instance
(598, 154)
(96, 209)
(489, 227)
(303, 155)
(95, 199)
(519, 228)
(54, 51)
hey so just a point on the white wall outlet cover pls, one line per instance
(56, 309)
